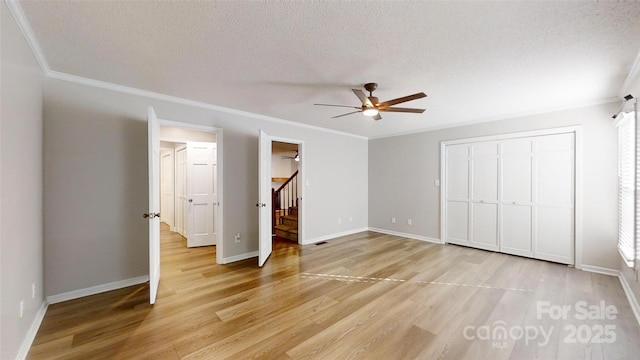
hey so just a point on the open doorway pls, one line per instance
(285, 191)
(188, 184)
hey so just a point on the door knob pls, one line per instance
(190, 200)
(261, 205)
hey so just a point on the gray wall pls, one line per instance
(20, 186)
(402, 170)
(96, 181)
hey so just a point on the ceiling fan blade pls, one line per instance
(346, 106)
(388, 103)
(399, 109)
(377, 117)
(346, 114)
(363, 98)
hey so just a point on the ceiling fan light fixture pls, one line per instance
(370, 112)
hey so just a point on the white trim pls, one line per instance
(235, 258)
(406, 235)
(630, 296)
(183, 101)
(600, 270)
(577, 200)
(23, 24)
(521, 134)
(510, 117)
(33, 331)
(76, 294)
(443, 192)
(333, 236)
(631, 77)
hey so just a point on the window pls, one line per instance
(627, 195)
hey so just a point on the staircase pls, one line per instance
(285, 209)
(288, 225)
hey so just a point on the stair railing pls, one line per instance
(283, 199)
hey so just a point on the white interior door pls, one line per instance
(166, 188)
(154, 204)
(264, 200)
(181, 191)
(201, 194)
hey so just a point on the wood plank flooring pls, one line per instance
(363, 296)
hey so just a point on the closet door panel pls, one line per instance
(458, 178)
(516, 236)
(516, 178)
(485, 178)
(485, 226)
(554, 240)
(555, 178)
(457, 222)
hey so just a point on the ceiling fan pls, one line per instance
(371, 106)
(296, 158)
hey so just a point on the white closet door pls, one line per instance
(554, 195)
(457, 194)
(484, 199)
(513, 195)
(517, 210)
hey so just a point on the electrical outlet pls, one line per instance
(21, 308)
(350, 219)
(33, 291)
(393, 220)
(339, 220)
(237, 237)
(436, 182)
(409, 222)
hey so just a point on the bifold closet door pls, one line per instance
(517, 206)
(484, 195)
(457, 194)
(513, 195)
(554, 193)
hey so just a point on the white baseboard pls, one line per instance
(33, 330)
(333, 236)
(600, 270)
(75, 294)
(410, 236)
(630, 296)
(235, 258)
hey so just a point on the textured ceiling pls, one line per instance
(476, 61)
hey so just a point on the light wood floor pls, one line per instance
(364, 296)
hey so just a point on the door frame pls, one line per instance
(302, 184)
(220, 177)
(577, 206)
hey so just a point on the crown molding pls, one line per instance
(631, 78)
(178, 100)
(23, 24)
